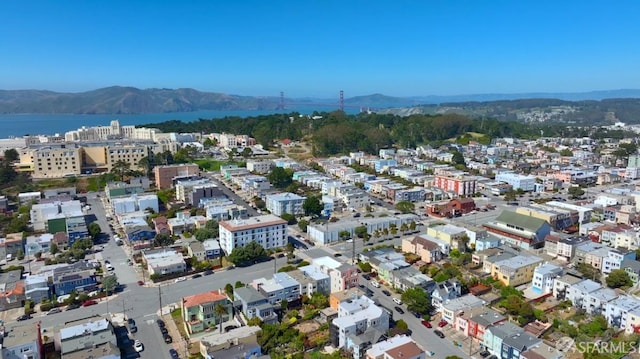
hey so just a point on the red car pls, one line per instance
(426, 323)
(442, 323)
(89, 302)
(140, 282)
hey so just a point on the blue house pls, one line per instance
(140, 233)
(79, 277)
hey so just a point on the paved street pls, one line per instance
(423, 336)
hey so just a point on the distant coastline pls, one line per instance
(18, 125)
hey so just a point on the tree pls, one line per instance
(209, 231)
(38, 255)
(239, 284)
(290, 249)
(11, 155)
(618, 278)
(344, 235)
(94, 230)
(566, 152)
(121, 169)
(365, 267)
(163, 240)
(53, 249)
(228, 288)
(405, 207)
(312, 206)
(575, 192)
(319, 300)
(417, 300)
(109, 283)
(280, 177)
(302, 224)
(247, 254)
(361, 231)
(246, 152)
(510, 195)
(290, 218)
(220, 311)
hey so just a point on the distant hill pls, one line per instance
(131, 100)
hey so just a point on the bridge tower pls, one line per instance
(341, 100)
(281, 105)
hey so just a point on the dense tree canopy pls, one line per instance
(312, 206)
(245, 255)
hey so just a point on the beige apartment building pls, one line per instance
(71, 159)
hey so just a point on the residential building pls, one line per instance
(346, 295)
(41, 213)
(79, 277)
(398, 347)
(517, 181)
(452, 309)
(516, 344)
(578, 292)
(255, 304)
(238, 343)
(268, 230)
(519, 230)
(98, 351)
(281, 203)
(445, 292)
(595, 301)
(360, 323)
(562, 284)
(566, 247)
(193, 192)
(85, 333)
(312, 280)
(515, 271)
(411, 277)
(428, 250)
(38, 244)
(282, 287)
(323, 234)
(199, 311)
(343, 276)
(54, 161)
(196, 249)
(22, 342)
(495, 335)
(614, 259)
(166, 175)
(544, 277)
(454, 236)
(12, 244)
(592, 254)
(12, 290)
(480, 322)
(211, 249)
(632, 267)
(616, 311)
(257, 166)
(164, 261)
(460, 185)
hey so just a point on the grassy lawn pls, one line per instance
(176, 315)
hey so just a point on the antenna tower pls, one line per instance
(341, 100)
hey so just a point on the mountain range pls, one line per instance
(131, 100)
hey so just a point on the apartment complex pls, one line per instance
(269, 231)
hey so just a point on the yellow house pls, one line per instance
(448, 233)
(516, 270)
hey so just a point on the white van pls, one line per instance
(375, 284)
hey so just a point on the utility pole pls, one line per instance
(353, 251)
(160, 299)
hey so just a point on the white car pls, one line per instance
(138, 346)
(181, 279)
(397, 301)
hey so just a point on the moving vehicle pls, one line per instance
(427, 324)
(23, 317)
(439, 333)
(137, 345)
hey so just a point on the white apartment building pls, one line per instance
(544, 277)
(164, 261)
(517, 181)
(354, 318)
(282, 203)
(269, 231)
(617, 310)
(259, 166)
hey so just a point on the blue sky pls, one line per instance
(317, 48)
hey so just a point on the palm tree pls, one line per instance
(220, 310)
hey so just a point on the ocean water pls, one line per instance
(18, 125)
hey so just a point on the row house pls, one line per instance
(445, 292)
(312, 280)
(200, 311)
(282, 287)
(427, 247)
(614, 259)
(632, 267)
(385, 261)
(566, 248)
(255, 304)
(342, 276)
(415, 194)
(259, 166)
(594, 302)
(617, 310)
(452, 235)
(619, 236)
(515, 271)
(398, 347)
(411, 277)
(453, 308)
(592, 253)
(544, 277)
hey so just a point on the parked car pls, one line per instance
(137, 345)
(427, 324)
(442, 323)
(386, 292)
(168, 339)
(140, 282)
(73, 306)
(397, 300)
(164, 331)
(181, 279)
(87, 303)
(160, 323)
(132, 325)
(484, 353)
(196, 276)
(439, 334)
(174, 354)
(366, 276)
(207, 272)
(54, 311)
(399, 310)
(23, 317)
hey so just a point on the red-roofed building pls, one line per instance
(161, 225)
(199, 310)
